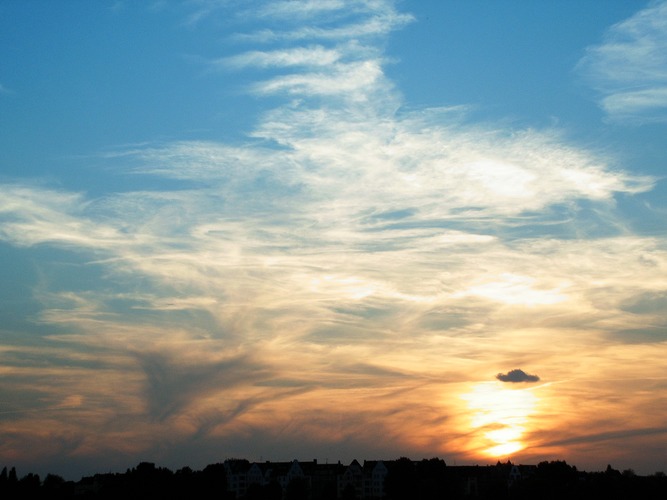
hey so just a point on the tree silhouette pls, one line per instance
(431, 479)
(401, 479)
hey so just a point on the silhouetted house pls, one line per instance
(237, 476)
(322, 478)
(374, 474)
(255, 475)
(353, 477)
(294, 472)
(514, 473)
(283, 473)
(366, 482)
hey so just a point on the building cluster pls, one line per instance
(368, 480)
(361, 481)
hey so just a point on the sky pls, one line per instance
(332, 229)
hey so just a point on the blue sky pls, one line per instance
(219, 220)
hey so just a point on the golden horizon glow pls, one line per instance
(500, 418)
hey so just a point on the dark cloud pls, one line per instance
(172, 384)
(646, 303)
(650, 334)
(608, 436)
(515, 376)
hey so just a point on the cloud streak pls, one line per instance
(629, 67)
(300, 56)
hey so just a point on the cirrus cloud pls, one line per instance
(629, 68)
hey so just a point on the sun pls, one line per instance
(499, 417)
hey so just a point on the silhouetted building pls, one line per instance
(375, 474)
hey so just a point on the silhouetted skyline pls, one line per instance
(396, 479)
(332, 228)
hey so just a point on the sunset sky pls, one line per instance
(332, 229)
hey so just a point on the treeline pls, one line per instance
(405, 480)
(143, 481)
(558, 480)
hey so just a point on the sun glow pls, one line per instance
(500, 417)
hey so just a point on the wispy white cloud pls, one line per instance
(38, 215)
(629, 68)
(308, 8)
(202, 10)
(632, 104)
(300, 56)
(378, 25)
(353, 81)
